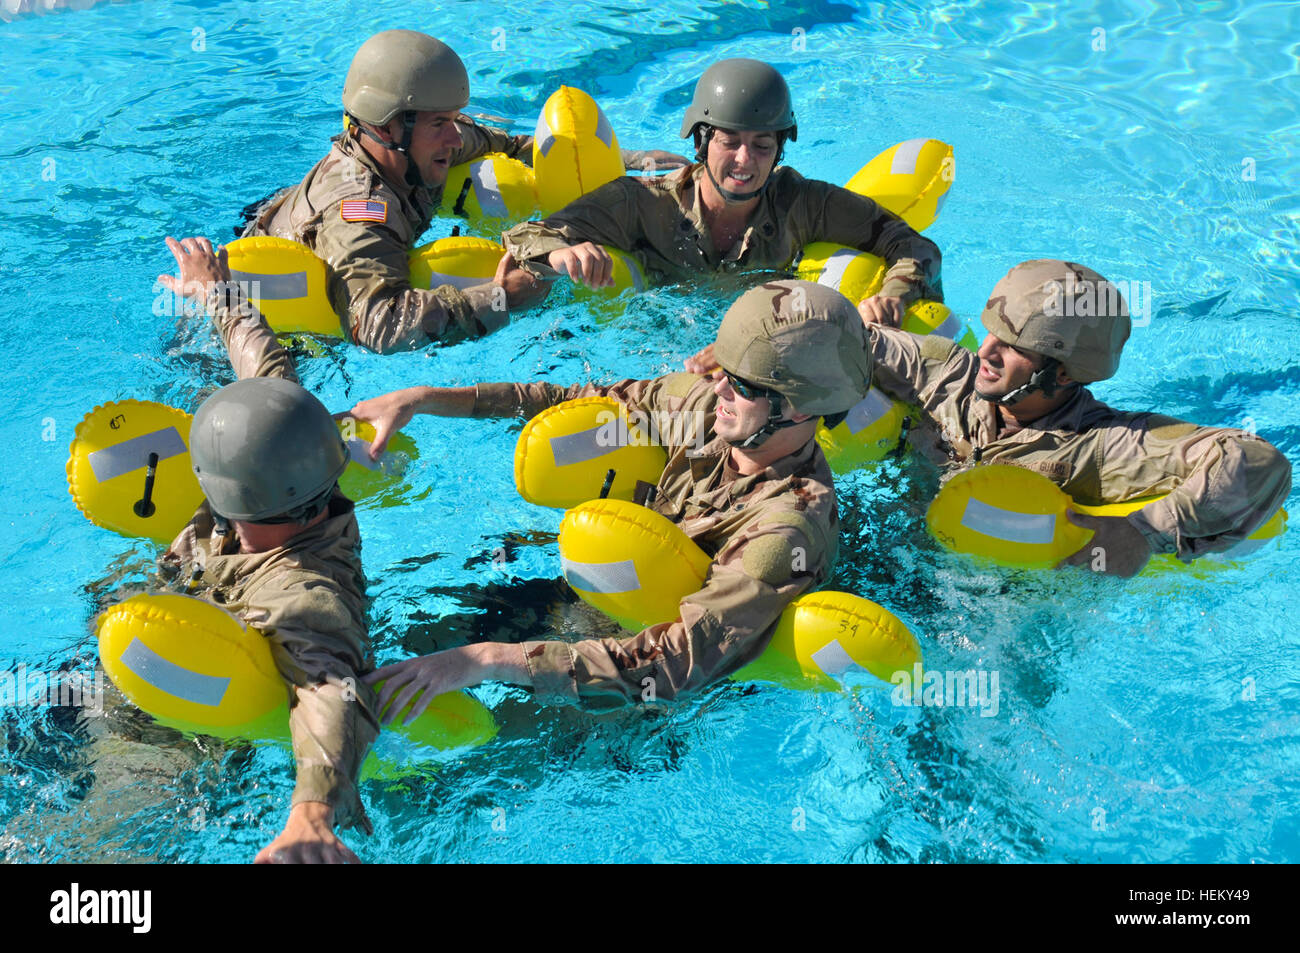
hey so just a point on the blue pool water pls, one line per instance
(1149, 720)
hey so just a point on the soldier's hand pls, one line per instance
(1117, 547)
(702, 362)
(422, 679)
(653, 160)
(588, 264)
(387, 413)
(523, 288)
(200, 268)
(881, 310)
(307, 838)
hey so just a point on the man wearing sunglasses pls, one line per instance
(745, 480)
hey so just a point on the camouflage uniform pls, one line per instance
(660, 221)
(307, 597)
(772, 536)
(369, 277)
(1222, 483)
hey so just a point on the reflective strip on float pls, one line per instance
(832, 659)
(950, 328)
(359, 451)
(133, 454)
(174, 679)
(606, 578)
(1031, 528)
(836, 265)
(580, 447)
(543, 138)
(905, 156)
(867, 411)
(604, 131)
(486, 190)
(273, 287)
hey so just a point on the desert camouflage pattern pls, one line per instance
(800, 339)
(1222, 484)
(369, 277)
(660, 222)
(1064, 311)
(772, 537)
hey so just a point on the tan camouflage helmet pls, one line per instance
(1064, 311)
(801, 339)
(404, 71)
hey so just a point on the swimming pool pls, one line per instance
(1152, 720)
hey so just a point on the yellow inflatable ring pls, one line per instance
(575, 149)
(1016, 517)
(564, 453)
(193, 666)
(286, 282)
(493, 192)
(109, 475)
(108, 467)
(910, 179)
(636, 566)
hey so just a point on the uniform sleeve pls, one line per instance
(838, 215)
(369, 284)
(321, 650)
(607, 216)
(253, 347)
(916, 370)
(478, 140)
(1222, 484)
(528, 400)
(721, 628)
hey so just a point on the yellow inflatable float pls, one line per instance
(1016, 517)
(129, 467)
(575, 149)
(636, 566)
(910, 179)
(564, 454)
(194, 667)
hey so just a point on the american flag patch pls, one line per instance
(363, 210)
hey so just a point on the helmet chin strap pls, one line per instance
(1043, 379)
(769, 429)
(413, 177)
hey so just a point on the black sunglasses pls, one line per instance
(743, 387)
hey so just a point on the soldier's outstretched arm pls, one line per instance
(721, 628)
(370, 287)
(205, 279)
(390, 412)
(609, 215)
(1222, 483)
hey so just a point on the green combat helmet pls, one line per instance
(266, 451)
(798, 340)
(402, 71)
(740, 95)
(1068, 313)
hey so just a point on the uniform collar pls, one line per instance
(710, 462)
(761, 222)
(421, 199)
